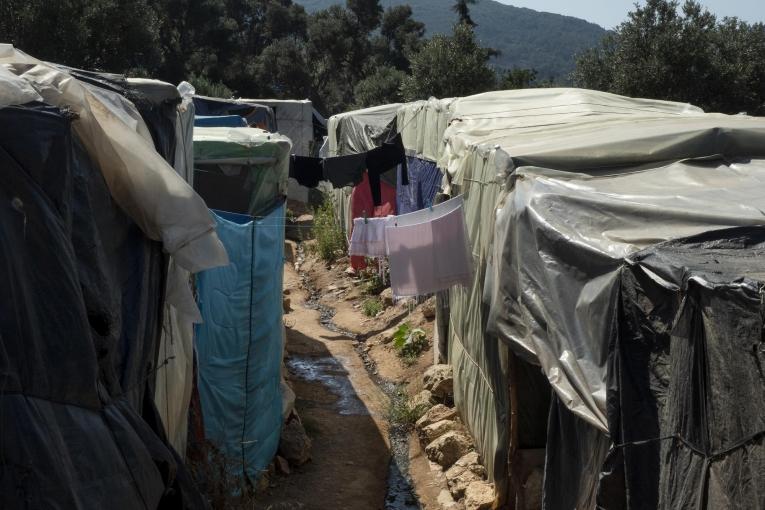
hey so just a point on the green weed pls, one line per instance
(330, 238)
(409, 342)
(372, 306)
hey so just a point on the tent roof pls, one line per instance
(574, 129)
(239, 146)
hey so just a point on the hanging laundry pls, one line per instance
(362, 203)
(306, 171)
(382, 159)
(424, 182)
(368, 237)
(345, 171)
(431, 255)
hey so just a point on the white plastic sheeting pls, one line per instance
(422, 125)
(145, 186)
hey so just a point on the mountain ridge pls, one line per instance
(526, 38)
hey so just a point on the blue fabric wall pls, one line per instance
(424, 183)
(240, 342)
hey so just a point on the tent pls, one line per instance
(242, 175)
(94, 207)
(242, 170)
(573, 176)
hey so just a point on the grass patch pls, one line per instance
(330, 238)
(372, 306)
(409, 342)
(402, 414)
(372, 282)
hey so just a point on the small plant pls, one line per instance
(409, 342)
(372, 306)
(330, 238)
(403, 414)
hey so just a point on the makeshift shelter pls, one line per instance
(257, 115)
(241, 170)
(94, 211)
(298, 121)
(242, 174)
(574, 186)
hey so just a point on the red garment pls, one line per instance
(361, 200)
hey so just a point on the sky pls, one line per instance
(609, 13)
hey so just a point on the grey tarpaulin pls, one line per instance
(686, 399)
(361, 130)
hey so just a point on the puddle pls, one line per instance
(329, 372)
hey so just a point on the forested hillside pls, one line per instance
(526, 38)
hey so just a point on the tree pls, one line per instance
(450, 66)
(382, 86)
(681, 54)
(400, 36)
(517, 78)
(462, 8)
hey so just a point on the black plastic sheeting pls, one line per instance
(80, 319)
(686, 378)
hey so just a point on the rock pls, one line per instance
(286, 302)
(282, 466)
(428, 309)
(447, 449)
(436, 413)
(446, 502)
(438, 429)
(387, 297)
(423, 400)
(464, 472)
(479, 496)
(439, 380)
(300, 229)
(290, 251)
(294, 444)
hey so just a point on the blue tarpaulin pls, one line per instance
(240, 342)
(219, 121)
(424, 183)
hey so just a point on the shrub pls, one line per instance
(330, 238)
(371, 307)
(409, 342)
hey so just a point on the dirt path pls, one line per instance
(342, 409)
(345, 405)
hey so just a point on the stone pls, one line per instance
(439, 380)
(428, 309)
(282, 466)
(301, 229)
(387, 297)
(436, 413)
(446, 502)
(447, 449)
(290, 251)
(464, 472)
(423, 401)
(438, 429)
(479, 496)
(294, 444)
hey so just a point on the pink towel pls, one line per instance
(432, 255)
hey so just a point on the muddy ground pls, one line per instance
(346, 377)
